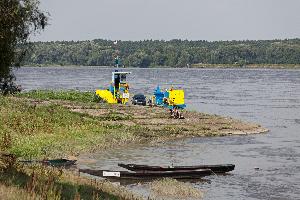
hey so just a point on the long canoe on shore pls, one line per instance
(143, 168)
(183, 174)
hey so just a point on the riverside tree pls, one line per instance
(18, 20)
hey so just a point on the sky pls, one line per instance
(171, 19)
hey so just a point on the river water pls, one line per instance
(270, 97)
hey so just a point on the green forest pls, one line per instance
(173, 53)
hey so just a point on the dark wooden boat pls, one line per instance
(182, 174)
(214, 168)
(53, 162)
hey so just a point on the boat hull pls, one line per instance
(183, 174)
(214, 168)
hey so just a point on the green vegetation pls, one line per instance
(173, 53)
(54, 124)
(30, 130)
(69, 95)
(39, 182)
(18, 20)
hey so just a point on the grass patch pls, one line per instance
(69, 122)
(168, 187)
(38, 182)
(53, 130)
(68, 95)
(13, 193)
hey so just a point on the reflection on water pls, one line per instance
(266, 96)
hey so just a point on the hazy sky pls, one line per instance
(171, 19)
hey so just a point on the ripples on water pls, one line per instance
(270, 97)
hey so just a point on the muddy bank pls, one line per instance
(73, 127)
(158, 119)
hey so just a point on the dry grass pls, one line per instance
(14, 193)
(171, 188)
(39, 182)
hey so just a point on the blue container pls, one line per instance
(159, 96)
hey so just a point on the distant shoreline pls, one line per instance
(194, 66)
(250, 66)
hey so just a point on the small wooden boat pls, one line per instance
(182, 174)
(214, 168)
(54, 162)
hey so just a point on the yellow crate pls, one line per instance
(176, 97)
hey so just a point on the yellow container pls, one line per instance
(176, 97)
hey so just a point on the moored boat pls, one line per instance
(182, 174)
(222, 168)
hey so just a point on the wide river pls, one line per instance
(270, 97)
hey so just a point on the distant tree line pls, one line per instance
(174, 53)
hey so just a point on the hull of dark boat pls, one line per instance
(183, 174)
(215, 168)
